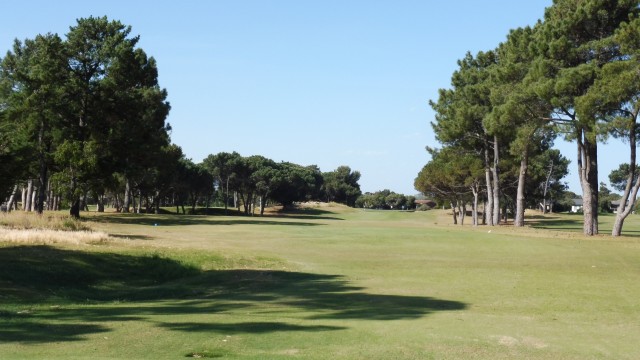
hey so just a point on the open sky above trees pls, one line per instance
(330, 83)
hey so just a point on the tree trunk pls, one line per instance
(42, 188)
(75, 209)
(156, 203)
(100, 203)
(496, 183)
(12, 198)
(463, 211)
(226, 197)
(34, 199)
(27, 205)
(236, 203)
(488, 209)
(588, 174)
(24, 198)
(474, 216)
(484, 213)
(628, 199)
(127, 196)
(194, 203)
(546, 188)
(42, 163)
(263, 199)
(520, 197)
(49, 196)
(455, 216)
(139, 207)
(84, 204)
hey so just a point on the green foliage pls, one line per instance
(259, 179)
(619, 177)
(297, 183)
(605, 198)
(450, 175)
(83, 108)
(386, 199)
(341, 185)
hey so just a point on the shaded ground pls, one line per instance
(87, 289)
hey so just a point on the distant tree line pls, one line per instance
(83, 119)
(573, 74)
(256, 181)
(386, 200)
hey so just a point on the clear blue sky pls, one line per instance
(326, 82)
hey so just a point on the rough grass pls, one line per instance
(49, 237)
(323, 283)
(50, 228)
(49, 221)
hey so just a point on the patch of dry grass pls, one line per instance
(49, 228)
(47, 221)
(49, 237)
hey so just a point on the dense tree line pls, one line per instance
(573, 74)
(255, 181)
(80, 115)
(386, 200)
(83, 118)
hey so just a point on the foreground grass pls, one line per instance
(322, 283)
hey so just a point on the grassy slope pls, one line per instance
(328, 283)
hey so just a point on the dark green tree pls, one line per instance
(452, 177)
(518, 114)
(619, 177)
(341, 185)
(296, 183)
(33, 77)
(614, 99)
(221, 167)
(460, 121)
(265, 177)
(575, 42)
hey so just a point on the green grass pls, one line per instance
(324, 283)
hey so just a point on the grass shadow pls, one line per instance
(92, 288)
(182, 220)
(307, 213)
(131, 237)
(568, 222)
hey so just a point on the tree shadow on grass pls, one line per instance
(550, 222)
(90, 290)
(181, 220)
(290, 213)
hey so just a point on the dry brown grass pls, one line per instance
(49, 228)
(48, 237)
(47, 221)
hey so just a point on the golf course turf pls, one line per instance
(323, 283)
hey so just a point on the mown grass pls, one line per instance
(323, 283)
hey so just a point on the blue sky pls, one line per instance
(326, 82)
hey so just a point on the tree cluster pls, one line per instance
(255, 181)
(574, 73)
(386, 200)
(80, 115)
(83, 118)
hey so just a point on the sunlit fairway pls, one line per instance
(323, 283)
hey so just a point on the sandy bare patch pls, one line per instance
(507, 341)
(534, 343)
(291, 352)
(527, 341)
